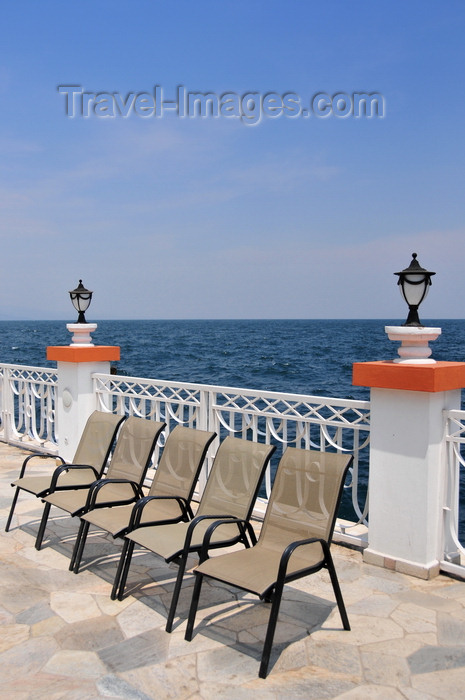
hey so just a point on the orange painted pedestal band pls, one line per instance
(441, 376)
(97, 353)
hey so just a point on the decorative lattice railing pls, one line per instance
(454, 516)
(27, 403)
(281, 419)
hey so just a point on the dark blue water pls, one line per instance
(303, 357)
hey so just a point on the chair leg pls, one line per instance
(12, 509)
(176, 592)
(193, 607)
(337, 591)
(276, 598)
(79, 546)
(119, 570)
(125, 570)
(43, 525)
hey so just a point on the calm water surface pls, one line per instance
(304, 356)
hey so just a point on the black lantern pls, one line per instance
(81, 298)
(414, 283)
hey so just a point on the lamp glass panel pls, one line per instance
(84, 301)
(414, 293)
(75, 300)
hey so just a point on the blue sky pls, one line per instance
(213, 217)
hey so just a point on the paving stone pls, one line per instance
(364, 630)
(403, 646)
(114, 687)
(26, 659)
(45, 686)
(226, 666)
(290, 656)
(444, 685)
(436, 658)
(36, 613)
(450, 630)
(143, 650)
(168, 680)
(205, 639)
(428, 600)
(412, 694)
(415, 619)
(69, 662)
(138, 618)
(372, 692)
(17, 599)
(48, 627)
(73, 607)
(304, 684)
(334, 657)
(382, 584)
(6, 617)
(13, 635)
(384, 669)
(378, 605)
(97, 633)
(112, 607)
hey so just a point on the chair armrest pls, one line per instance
(138, 510)
(54, 486)
(242, 524)
(100, 484)
(39, 455)
(290, 549)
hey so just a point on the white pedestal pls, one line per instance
(414, 341)
(81, 333)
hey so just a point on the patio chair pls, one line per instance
(122, 482)
(294, 540)
(170, 495)
(231, 490)
(88, 464)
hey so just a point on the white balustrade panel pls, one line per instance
(28, 397)
(271, 417)
(454, 549)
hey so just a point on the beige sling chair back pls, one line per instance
(231, 491)
(123, 479)
(294, 540)
(91, 457)
(169, 497)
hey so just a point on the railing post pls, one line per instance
(76, 398)
(408, 461)
(8, 405)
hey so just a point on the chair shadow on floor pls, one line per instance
(228, 616)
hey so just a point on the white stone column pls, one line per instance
(76, 399)
(408, 461)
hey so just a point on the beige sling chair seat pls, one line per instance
(231, 490)
(170, 494)
(122, 482)
(294, 540)
(87, 465)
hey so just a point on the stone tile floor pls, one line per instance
(62, 636)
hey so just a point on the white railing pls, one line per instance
(274, 418)
(454, 550)
(27, 402)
